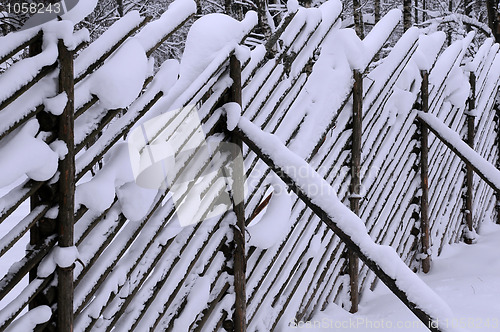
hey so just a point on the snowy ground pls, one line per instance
(466, 277)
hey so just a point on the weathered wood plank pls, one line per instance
(424, 177)
(388, 281)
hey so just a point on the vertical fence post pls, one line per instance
(469, 172)
(239, 318)
(357, 112)
(497, 111)
(66, 190)
(424, 175)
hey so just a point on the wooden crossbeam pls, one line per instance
(427, 319)
(470, 157)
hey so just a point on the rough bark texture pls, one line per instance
(470, 171)
(424, 176)
(357, 107)
(66, 190)
(239, 316)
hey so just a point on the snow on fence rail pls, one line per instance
(123, 255)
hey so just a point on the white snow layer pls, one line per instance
(428, 49)
(119, 81)
(377, 37)
(65, 256)
(292, 6)
(59, 256)
(22, 72)
(98, 194)
(196, 302)
(481, 53)
(106, 41)
(11, 41)
(274, 222)
(135, 200)
(176, 13)
(208, 35)
(233, 112)
(166, 76)
(24, 154)
(116, 179)
(323, 195)
(31, 319)
(56, 105)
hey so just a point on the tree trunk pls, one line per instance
(492, 8)
(424, 8)
(120, 8)
(377, 10)
(416, 12)
(358, 18)
(263, 23)
(406, 14)
(467, 7)
(450, 29)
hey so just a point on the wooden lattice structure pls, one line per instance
(138, 275)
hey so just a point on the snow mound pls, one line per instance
(24, 154)
(31, 319)
(457, 88)
(274, 223)
(65, 256)
(99, 193)
(167, 76)
(207, 37)
(292, 6)
(56, 105)
(59, 256)
(120, 80)
(135, 200)
(177, 12)
(233, 111)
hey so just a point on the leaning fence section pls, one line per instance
(130, 256)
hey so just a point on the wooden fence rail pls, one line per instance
(373, 134)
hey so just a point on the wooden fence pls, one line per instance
(361, 134)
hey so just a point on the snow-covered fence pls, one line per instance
(137, 266)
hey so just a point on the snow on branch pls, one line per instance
(460, 19)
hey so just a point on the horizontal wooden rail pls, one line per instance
(365, 256)
(32, 40)
(452, 140)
